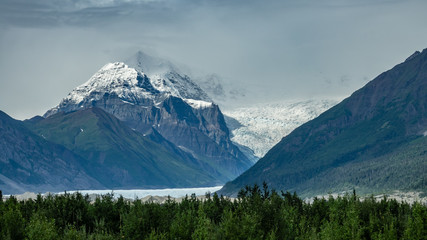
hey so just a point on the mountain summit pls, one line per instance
(132, 86)
(116, 79)
(373, 141)
(163, 102)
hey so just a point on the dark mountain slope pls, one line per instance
(120, 157)
(402, 169)
(378, 126)
(30, 163)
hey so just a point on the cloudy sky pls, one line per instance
(277, 50)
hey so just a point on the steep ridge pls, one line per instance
(120, 157)
(193, 124)
(29, 162)
(366, 137)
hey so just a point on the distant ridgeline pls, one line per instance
(373, 141)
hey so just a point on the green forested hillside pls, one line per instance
(402, 169)
(28, 162)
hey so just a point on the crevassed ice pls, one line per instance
(265, 125)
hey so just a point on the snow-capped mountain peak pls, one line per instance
(166, 106)
(115, 78)
(198, 103)
(127, 83)
(130, 84)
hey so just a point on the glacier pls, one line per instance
(263, 125)
(141, 193)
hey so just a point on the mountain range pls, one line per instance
(147, 124)
(373, 141)
(132, 129)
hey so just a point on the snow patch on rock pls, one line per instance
(198, 104)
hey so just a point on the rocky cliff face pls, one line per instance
(193, 124)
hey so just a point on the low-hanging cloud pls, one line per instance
(277, 50)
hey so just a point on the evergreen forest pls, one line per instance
(257, 213)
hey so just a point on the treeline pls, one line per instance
(256, 214)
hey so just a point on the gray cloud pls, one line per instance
(276, 49)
